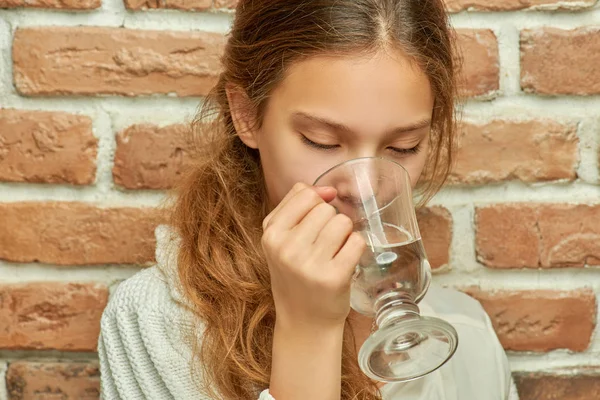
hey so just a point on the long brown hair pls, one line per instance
(221, 203)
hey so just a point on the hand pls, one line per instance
(312, 254)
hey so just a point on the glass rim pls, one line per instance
(358, 161)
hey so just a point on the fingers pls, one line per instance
(295, 189)
(327, 193)
(295, 209)
(309, 228)
(333, 236)
(350, 253)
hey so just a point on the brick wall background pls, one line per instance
(93, 95)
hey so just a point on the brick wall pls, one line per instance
(92, 97)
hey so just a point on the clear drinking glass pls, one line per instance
(393, 273)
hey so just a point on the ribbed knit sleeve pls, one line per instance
(143, 346)
(147, 328)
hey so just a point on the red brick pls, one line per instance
(53, 380)
(61, 4)
(569, 235)
(68, 233)
(538, 235)
(191, 5)
(530, 151)
(541, 320)
(577, 384)
(507, 236)
(556, 61)
(480, 69)
(92, 61)
(435, 224)
(48, 147)
(51, 315)
(511, 5)
(150, 157)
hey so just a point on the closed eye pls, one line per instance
(412, 150)
(328, 147)
(321, 146)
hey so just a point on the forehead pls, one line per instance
(381, 86)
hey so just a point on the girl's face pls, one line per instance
(328, 110)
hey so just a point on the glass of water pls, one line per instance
(393, 273)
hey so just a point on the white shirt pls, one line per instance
(144, 354)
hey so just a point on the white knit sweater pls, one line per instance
(144, 352)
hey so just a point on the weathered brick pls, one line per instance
(576, 384)
(151, 157)
(541, 320)
(534, 235)
(507, 236)
(61, 4)
(48, 147)
(530, 151)
(556, 61)
(93, 60)
(480, 70)
(435, 224)
(191, 5)
(53, 380)
(51, 315)
(511, 5)
(569, 235)
(68, 233)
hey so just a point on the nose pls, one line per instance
(359, 186)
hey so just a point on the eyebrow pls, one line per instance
(339, 127)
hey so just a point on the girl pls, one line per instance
(250, 295)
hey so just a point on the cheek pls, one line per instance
(288, 162)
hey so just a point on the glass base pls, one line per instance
(407, 349)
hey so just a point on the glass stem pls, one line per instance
(394, 306)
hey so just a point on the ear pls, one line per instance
(243, 116)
